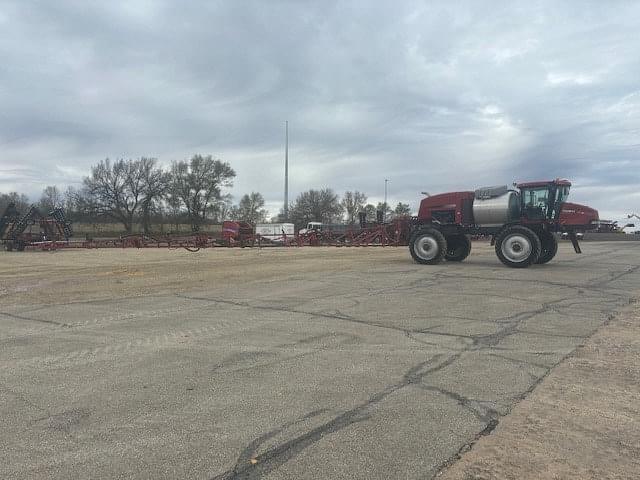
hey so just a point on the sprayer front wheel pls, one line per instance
(428, 246)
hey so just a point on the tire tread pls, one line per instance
(536, 246)
(440, 240)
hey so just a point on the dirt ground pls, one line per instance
(318, 363)
(581, 422)
(82, 274)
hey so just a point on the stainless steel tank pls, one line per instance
(495, 206)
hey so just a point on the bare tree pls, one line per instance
(174, 207)
(316, 205)
(155, 184)
(225, 209)
(222, 209)
(384, 208)
(198, 185)
(370, 211)
(50, 199)
(353, 202)
(402, 209)
(123, 190)
(71, 201)
(78, 206)
(21, 201)
(250, 208)
(116, 190)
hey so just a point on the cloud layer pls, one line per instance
(431, 96)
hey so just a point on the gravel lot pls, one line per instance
(280, 363)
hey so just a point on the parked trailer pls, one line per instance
(276, 232)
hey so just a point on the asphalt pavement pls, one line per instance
(367, 371)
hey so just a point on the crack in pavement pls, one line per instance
(273, 308)
(520, 361)
(37, 320)
(275, 457)
(613, 276)
(271, 450)
(476, 407)
(255, 356)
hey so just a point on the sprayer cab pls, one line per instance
(543, 200)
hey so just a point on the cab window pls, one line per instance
(561, 196)
(535, 202)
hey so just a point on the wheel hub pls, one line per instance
(516, 247)
(426, 247)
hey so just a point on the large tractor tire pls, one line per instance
(428, 246)
(549, 247)
(518, 246)
(458, 248)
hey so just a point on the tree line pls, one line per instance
(191, 191)
(326, 206)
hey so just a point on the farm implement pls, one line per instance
(234, 234)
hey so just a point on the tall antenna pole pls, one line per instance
(386, 180)
(286, 171)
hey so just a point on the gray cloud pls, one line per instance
(431, 96)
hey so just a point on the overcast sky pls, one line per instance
(433, 96)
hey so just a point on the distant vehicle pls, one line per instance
(323, 227)
(629, 232)
(606, 226)
(311, 226)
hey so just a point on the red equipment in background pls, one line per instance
(237, 233)
(19, 231)
(521, 223)
(394, 233)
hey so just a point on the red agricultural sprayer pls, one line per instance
(521, 222)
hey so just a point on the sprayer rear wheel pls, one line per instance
(549, 247)
(458, 248)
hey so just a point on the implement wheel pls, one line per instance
(428, 246)
(518, 246)
(549, 247)
(458, 248)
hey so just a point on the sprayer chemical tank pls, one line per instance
(495, 206)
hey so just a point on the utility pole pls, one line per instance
(286, 171)
(384, 215)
